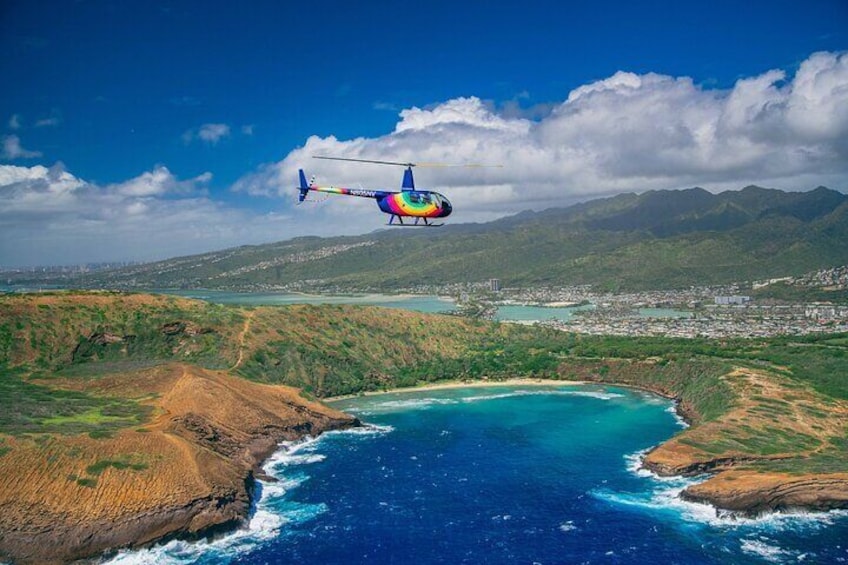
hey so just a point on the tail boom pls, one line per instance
(305, 187)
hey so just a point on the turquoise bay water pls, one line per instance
(517, 313)
(429, 304)
(497, 475)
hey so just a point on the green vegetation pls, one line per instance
(60, 363)
(97, 469)
(790, 293)
(663, 239)
(131, 462)
(31, 408)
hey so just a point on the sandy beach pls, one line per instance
(459, 384)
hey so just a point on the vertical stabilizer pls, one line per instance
(304, 187)
(408, 183)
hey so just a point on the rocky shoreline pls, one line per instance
(735, 485)
(224, 428)
(750, 493)
(730, 488)
(755, 494)
(196, 478)
(165, 449)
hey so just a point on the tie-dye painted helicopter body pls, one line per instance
(422, 206)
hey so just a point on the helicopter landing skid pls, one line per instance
(416, 224)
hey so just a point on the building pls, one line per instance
(732, 300)
(495, 285)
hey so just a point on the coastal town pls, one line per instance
(712, 321)
(817, 304)
(697, 312)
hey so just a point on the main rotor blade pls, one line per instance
(467, 165)
(364, 161)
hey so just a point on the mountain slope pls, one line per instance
(659, 239)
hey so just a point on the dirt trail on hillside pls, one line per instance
(241, 340)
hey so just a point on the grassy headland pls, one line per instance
(104, 390)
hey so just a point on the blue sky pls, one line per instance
(204, 109)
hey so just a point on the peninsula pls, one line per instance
(152, 414)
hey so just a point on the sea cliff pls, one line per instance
(188, 472)
(127, 419)
(775, 445)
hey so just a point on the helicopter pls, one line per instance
(422, 206)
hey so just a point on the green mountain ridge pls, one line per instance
(656, 240)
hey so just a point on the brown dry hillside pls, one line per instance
(127, 418)
(187, 470)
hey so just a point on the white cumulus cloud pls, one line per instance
(158, 182)
(12, 149)
(628, 132)
(50, 216)
(207, 133)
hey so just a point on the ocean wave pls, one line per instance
(662, 496)
(292, 460)
(364, 430)
(677, 417)
(419, 403)
(600, 395)
(412, 403)
(273, 513)
(633, 462)
(264, 525)
(769, 552)
(567, 526)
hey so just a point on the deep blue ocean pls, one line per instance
(497, 475)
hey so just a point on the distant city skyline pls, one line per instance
(139, 131)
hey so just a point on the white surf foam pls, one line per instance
(600, 395)
(413, 403)
(272, 515)
(591, 394)
(662, 495)
(264, 525)
(677, 417)
(633, 462)
(364, 430)
(383, 406)
(567, 526)
(769, 552)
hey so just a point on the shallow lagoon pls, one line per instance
(429, 304)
